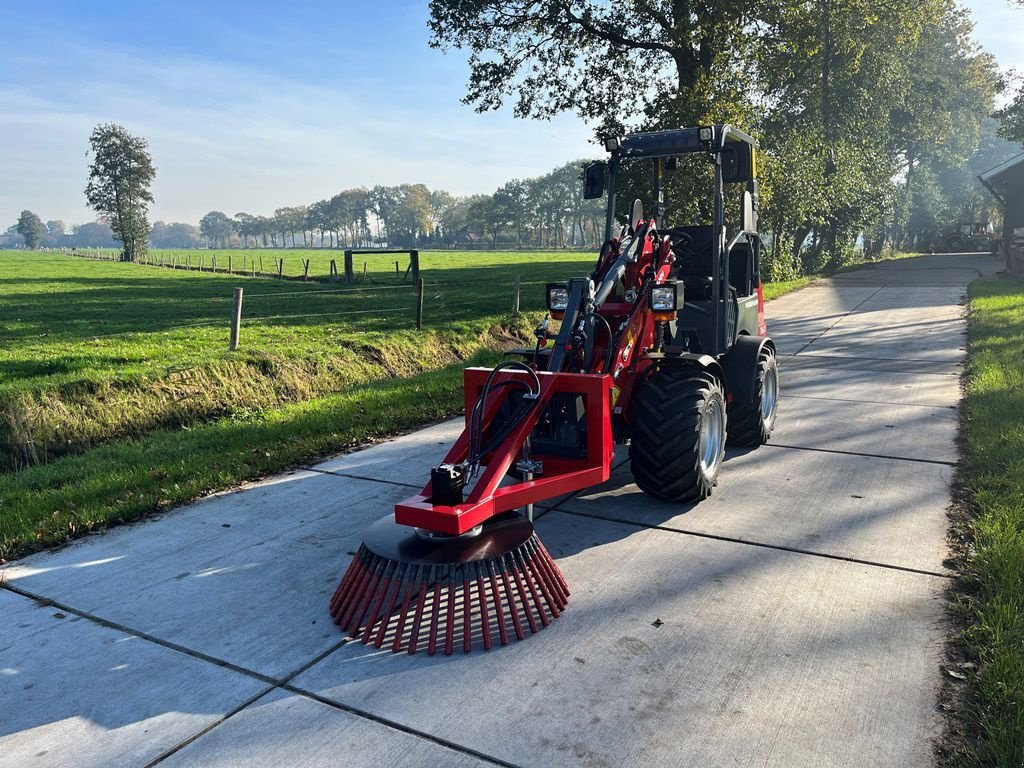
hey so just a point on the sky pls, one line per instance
(252, 105)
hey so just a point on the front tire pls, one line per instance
(678, 429)
(751, 424)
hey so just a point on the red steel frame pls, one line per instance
(602, 392)
(561, 475)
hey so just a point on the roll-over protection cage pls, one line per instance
(734, 155)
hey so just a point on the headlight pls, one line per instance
(558, 297)
(666, 297)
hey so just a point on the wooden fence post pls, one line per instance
(305, 270)
(419, 303)
(236, 319)
(398, 274)
(188, 262)
(280, 267)
(515, 296)
(261, 264)
(214, 260)
(334, 270)
(349, 276)
(364, 271)
(414, 262)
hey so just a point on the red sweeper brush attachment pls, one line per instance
(408, 588)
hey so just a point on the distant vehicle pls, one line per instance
(977, 236)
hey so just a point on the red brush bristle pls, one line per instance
(378, 596)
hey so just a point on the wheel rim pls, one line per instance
(769, 395)
(712, 435)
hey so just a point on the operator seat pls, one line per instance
(692, 246)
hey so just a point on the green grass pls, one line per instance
(781, 288)
(993, 603)
(94, 350)
(127, 479)
(118, 396)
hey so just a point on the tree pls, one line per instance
(247, 225)
(96, 234)
(692, 58)
(174, 235)
(217, 226)
(31, 227)
(1012, 115)
(118, 187)
(56, 233)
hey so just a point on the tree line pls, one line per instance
(873, 115)
(543, 212)
(874, 118)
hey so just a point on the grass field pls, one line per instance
(94, 350)
(993, 600)
(118, 396)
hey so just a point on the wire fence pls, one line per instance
(438, 301)
(273, 266)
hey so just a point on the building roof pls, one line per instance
(997, 179)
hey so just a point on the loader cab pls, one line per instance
(718, 261)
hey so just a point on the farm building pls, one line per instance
(1006, 183)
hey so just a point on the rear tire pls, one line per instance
(751, 424)
(677, 430)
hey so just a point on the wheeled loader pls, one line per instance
(663, 347)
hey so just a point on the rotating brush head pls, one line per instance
(405, 590)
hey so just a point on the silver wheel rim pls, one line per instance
(769, 395)
(712, 436)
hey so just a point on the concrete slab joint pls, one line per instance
(794, 618)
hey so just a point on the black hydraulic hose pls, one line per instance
(611, 340)
(476, 451)
(618, 269)
(476, 428)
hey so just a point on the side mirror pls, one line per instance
(594, 180)
(737, 162)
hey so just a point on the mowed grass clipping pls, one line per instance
(993, 606)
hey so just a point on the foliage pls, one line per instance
(626, 64)
(850, 98)
(119, 179)
(1012, 115)
(31, 227)
(217, 228)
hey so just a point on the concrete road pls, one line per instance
(795, 618)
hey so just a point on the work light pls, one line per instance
(707, 134)
(665, 297)
(611, 143)
(558, 297)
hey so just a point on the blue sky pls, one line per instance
(252, 105)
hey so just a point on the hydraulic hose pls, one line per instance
(618, 268)
(476, 427)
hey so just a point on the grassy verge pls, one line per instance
(781, 288)
(992, 601)
(125, 480)
(282, 410)
(92, 351)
